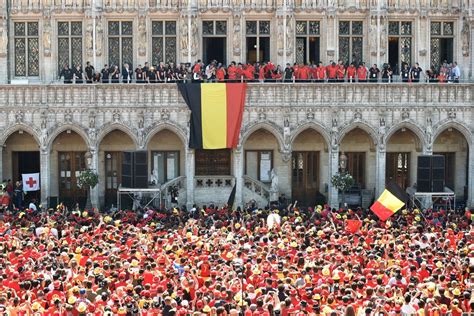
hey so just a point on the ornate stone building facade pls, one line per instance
(300, 130)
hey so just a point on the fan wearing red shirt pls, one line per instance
(351, 73)
(232, 71)
(320, 73)
(220, 73)
(331, 72)
(341, 71)
(362, 73)
(303, 73)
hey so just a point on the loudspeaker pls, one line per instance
(438, 173)
(135, 169)
(140, 170)
(430, 173)
(423, 178)
(127, 170)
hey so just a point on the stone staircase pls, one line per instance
(254, 190)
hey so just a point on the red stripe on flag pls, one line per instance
(235, 109)
(381, 211)
(353, 225)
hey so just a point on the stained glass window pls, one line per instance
(69, 44)
(210, 28)
(351, 41)
(163, 42)
(120, 43)
(26, 49)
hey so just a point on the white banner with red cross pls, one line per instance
(30, 181)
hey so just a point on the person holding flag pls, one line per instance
(390, 201)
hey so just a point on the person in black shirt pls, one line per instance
(415, 73)
(79, 74)
(387, 73)
(151, 75)
(405, 73)
(140, 74)
(161, 72)
(105, 74)
(288, 73)
(373, 73)
(115, 74)
(145, 69)
(89, 72)
(67, 74)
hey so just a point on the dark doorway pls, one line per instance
(26, 162)
(446, 49)
(305, 178)
(214, 48)
(398, 169)
(393, 54)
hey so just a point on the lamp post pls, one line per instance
(88, 157)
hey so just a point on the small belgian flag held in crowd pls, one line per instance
(216, 113)
(390, 201)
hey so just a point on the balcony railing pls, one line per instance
(258, 95)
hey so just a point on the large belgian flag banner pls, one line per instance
(216, 113)
(390, 201)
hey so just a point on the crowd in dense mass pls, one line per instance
(258, 72)
(222, 261)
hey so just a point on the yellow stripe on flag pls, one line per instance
(214, 115)
(390, 201)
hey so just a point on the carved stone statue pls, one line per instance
(184, 36)
(466, 34)
(194, 37)
(429, 132)
(373, 36)
(47, 37)
(383, 35)
(99, 36)
(154, 177)
(280, 34)
(290, 36)
(3, 38)
(274, 177)
(142, 36)
(237, 36)
(88, 39)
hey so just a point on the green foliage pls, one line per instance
(342, 181)
(88, 178)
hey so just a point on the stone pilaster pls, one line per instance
(470, 178)
(238, 174)
(333, 199)
(380, 167)
(1, 163)
(4, 37)
(95, 192)
(45, 161)
(190, 170)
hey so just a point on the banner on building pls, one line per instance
(216, 113)
(31, 182)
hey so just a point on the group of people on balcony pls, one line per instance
(258, 72)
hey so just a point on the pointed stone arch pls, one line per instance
(269, 127)
(55, 131)
(108, 128)
(410, 125)
(366, 127)
(315, 126)
(460, 127)
(175, 128)
(20, 127)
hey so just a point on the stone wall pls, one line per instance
(322, 117)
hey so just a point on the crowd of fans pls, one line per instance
(258, 72)
(223, 261)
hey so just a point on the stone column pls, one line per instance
(470, 178)
(333, 199)
(1, 163)
(189, 160)
(45, 161)
(238, 174)
(380, 162)
(95, 192)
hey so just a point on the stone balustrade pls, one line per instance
(268, 95)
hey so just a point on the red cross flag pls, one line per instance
(30, 182)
